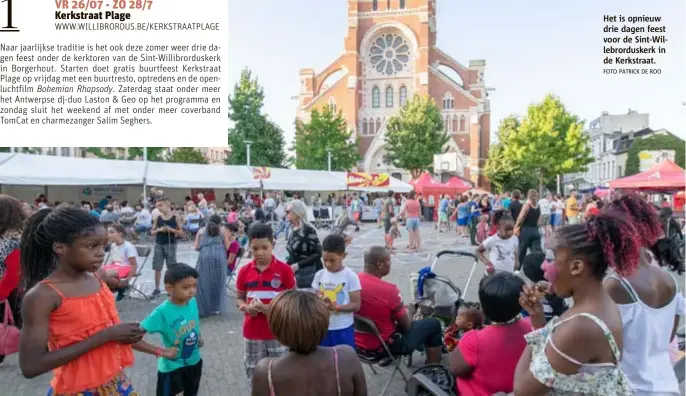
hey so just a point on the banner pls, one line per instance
(261, 173)
(360, 180)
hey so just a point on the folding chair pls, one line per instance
(190, 235)
(364, 325)
(325, 219)
(143, 252)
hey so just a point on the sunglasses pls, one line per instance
(549, 255)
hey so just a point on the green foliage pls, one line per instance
(415, 135)
(154, 153)
(654, 142)
(547, 142)
(5, 150)
(97, 151)
(187, 155)
(326, 130)
(249, 124)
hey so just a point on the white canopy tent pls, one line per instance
(26, 169)
(176, 175)
(44, 170)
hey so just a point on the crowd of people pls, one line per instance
(575, 298)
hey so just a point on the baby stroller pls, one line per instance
(435, 295)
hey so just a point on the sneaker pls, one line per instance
(121, 293)
(156, 292)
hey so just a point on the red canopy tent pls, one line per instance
(460, 184)
(428, 186)
(663, 176)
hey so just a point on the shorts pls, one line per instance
(123, 270)
(356, 216)
(545, 219)
(256, 350)
(573, 220)
(443, 216)
(556, 220)
(185, 379)
(387, 225)
(412, 223)
(163, 253)
(463, 221)
(344, 336)
(120, 386)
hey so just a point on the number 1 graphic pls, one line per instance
(9, 15)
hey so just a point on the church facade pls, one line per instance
(389, 55)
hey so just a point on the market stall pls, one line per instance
(664, 176)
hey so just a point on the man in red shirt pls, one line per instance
(382, 303)
(257, 283)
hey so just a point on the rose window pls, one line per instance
(389, 54)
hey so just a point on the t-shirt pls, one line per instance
(545, 206)
(572, 207)
(501, 252)
(382, 303)
(493, 352)
(266, 285)
(389, 209)
(122, 253)
(178, 326)
(443, 205)
(557, 207)
(336, 287)
(412, 208)
(506, 203)
(144, 218)
(232, 217)
(269, 204)
(234, 248)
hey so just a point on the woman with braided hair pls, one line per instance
(579, 352)
(650, 305)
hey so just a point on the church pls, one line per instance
(389, 55)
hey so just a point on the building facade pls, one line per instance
(606, 132)
(389, 55)
(214, 155)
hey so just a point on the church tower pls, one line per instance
(390, 54)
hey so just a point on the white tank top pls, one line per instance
(647, 332)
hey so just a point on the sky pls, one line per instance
(531, 48)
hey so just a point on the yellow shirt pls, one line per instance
(572, 207)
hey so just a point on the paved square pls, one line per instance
(223, 350)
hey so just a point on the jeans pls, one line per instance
(473, 221)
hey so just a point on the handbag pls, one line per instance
(9, 333)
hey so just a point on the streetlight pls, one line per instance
(328, 158)
(248, 143)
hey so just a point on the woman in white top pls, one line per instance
(650, 305)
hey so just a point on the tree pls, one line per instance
(154, 153)
(654, 142)
(187, 155)
(325, 131)
(97, 151)
(250, 124)
(415, 135)
(547, 142)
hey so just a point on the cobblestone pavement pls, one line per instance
(223, 350)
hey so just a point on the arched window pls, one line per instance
(389, 96)
(332, 105)
(376, 97)
(455, 124)
(365, 130)
(402, 4)
(448, 101)
(462, 124)
(403, 95)
(375, 5)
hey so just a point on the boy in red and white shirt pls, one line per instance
(257, 283)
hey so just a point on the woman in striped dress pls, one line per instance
(212, 242)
